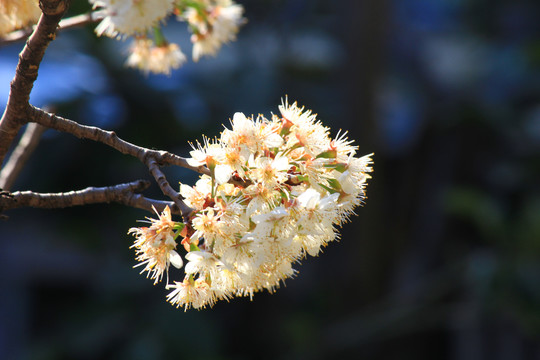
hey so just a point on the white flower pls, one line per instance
(209, 154)
(309, 199)
(298, 184)
(148, 57)
(191, 293)
(219, 25)
(155, 246)
(130, 17)
(202, 262)
(267, 221)
(305, 130)
(243, 133)
(268, 171)
(222, 173)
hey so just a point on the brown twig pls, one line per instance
(26, 146)
(166, 187)
(151, 158)
(16, 112)
(127, 194)
(109, 138)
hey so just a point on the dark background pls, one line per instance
(442, 261)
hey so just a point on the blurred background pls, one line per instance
(442, 262)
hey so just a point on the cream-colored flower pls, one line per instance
(298, 185)
(191, 293)
(130, 17)
(268, 171)
(207, 225)
(209, 153)
(216, 25)
(150, 58)
(305, 130)
(203, 263)
(155, 246)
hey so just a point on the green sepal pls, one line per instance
(330, 190)
(179, 226)
(334, 184)
(183, 4)
(302, 178)
(193, 247)
(328, 154)
(159, 38)
(284, 195)
(341, 167)
(334, 187)
(252, 225)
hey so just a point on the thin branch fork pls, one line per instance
(19, 112)
(151, 158)
(127, 194)
(166, 187)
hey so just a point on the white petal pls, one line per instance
(222, 173)
(347, 183)
(329, 201)
(239, 118)
(175, 259)
(186, 191)
(194, 162)
(191, 267)
(309, 199)
(281, 163)
(273, 140)
(274, 215)
(197, 255)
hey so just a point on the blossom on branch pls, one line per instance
(151, 58)
(130, 17)
(289, 186)
(212, 23)
(155, 245)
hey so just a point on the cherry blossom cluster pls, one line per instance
(277, 189)
(212, 23)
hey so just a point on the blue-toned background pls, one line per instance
(443, 261)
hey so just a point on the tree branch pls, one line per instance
(16, 112)
(68, 23)
(166, 188)
(109, 138)
(151, 158)
(127, 194)
(26, 146)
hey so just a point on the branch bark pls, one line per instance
(19, 112)
(16, 112)
(26, 146)
(109, 138)
(166, 187)
(151, 158)
(127, 194)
